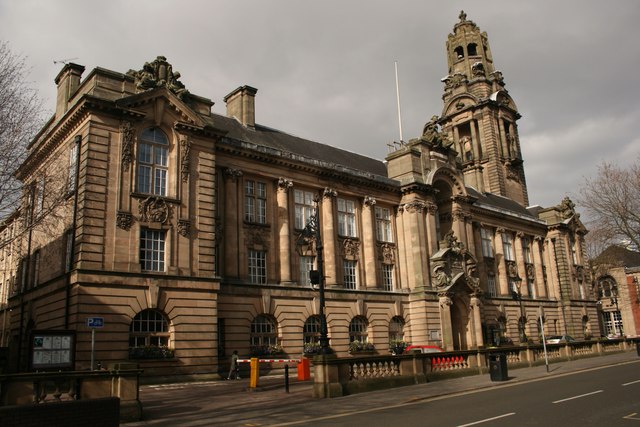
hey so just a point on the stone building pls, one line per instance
(180, 228)
(616, 272)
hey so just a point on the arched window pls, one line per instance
(396, 329)
(312, 330)
(472, 49)
(459, 52)
(263, 331)
(153, 153)
(358, 329)
(149, 336)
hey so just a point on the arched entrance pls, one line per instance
(460, 321)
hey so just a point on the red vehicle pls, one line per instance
(423, 349)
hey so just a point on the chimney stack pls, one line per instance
(241, 105)
(68, 81)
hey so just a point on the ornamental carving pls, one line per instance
(387, 253)
(477, 69)
(350, 249)
(433, 136)
(531, 272)
(579, 273)
(185, 163)
(512, 269)
(497, 77)
(414, 206)
(567, 208)
(128, 134)
(124, 220)
(284, 184)
(159, 73)
(184, 227)
(154, 209)
(369, 201)
(232, 174)
(329, 192)
(257, 236)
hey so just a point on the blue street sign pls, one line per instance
(95, 322)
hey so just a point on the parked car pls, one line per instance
(423, 349)
(559, 339)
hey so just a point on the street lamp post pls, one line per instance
(311, 233)
(517, 295)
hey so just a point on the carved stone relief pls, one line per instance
(126, 130)
(154, 209)
(124, 220)
(184, 227)
(185, 163)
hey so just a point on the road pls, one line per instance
(600, 397)
(589, 391)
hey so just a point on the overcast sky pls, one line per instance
(324, 70)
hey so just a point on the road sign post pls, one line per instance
(94, 323)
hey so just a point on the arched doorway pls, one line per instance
(460, 321)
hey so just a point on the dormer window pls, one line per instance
(153, 153)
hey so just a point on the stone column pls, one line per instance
(474, 140)
(284, 234)
(369, 238)
(231, 224)
(328, 237)
(500, 264)
(522, 272)
(536, 250)
(432, 238)
(419, 265)
(445, 304)
(476, 319)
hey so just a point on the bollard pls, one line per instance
(286, 378)
(255, 372)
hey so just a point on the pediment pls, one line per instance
(458, 103)
(158, 102)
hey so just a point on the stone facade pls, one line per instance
(181, 228)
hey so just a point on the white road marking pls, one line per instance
(487, 419)
(631, 417)
(577, 397)
(632, 382)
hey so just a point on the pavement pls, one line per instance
(233, 403)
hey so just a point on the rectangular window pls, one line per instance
(507, 247)
(152, 169)
(486, 236)
(387, 277)
(491, 285)
(346, 218)
(574, 253)
(255, 202)
(71, 170)
(383, 225)
(257, 267)
(350, 274)
(304, 207)
(152, 250)
(306, 265)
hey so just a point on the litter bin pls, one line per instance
(498, 367)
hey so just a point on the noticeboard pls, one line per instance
(53, 350)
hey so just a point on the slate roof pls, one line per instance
(273, 138)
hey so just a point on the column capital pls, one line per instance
(329, 192)
(284, 184)
(369, 201)
(232, 174)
